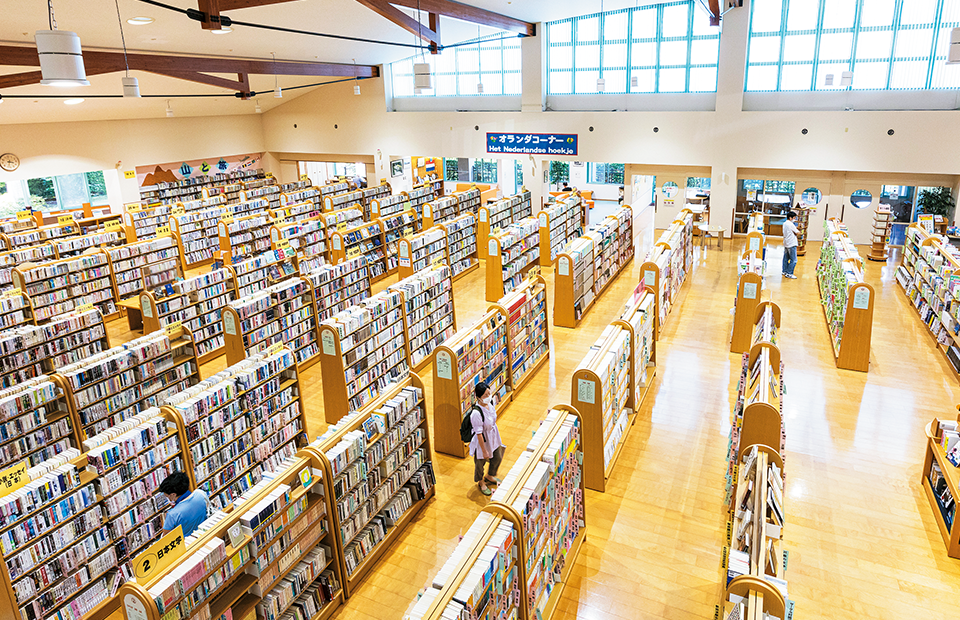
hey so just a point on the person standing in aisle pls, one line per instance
(188, 509)
(790, 243)
(485, 447)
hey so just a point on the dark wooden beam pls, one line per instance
(467, 13)
(712, 8)
(242, 85)
(33, 77)
(435, 26)
(108, 62)
(411, 25)
(209, 8)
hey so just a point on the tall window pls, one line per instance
(451, 171)
(483, 171)
(605, 174)
(668, 47)
(887, 44)
(493, 61)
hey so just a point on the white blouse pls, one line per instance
(488, 423)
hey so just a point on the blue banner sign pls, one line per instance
(532, 143)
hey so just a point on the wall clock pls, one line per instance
(9, 162)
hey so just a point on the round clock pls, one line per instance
(9, 162)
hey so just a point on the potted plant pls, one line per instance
(937, 201)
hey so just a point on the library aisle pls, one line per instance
(863, 540)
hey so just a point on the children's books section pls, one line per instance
(588, 265)
(462, 241)
(528, 337)
(750, 272)
(58, 286)
(666, 266)
(422, 250)
(367, 240)
(754, 561)
(431, 318)
(846, 299)
(560, 223)
(380, 465)
(516, 558)
(511, 253)
(940, 479)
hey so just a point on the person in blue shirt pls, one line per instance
(188, 510)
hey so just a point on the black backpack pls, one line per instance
(466, 425)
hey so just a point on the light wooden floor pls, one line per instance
(862, 539)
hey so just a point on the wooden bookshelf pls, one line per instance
(114, 385)
(230, 191)
(36, 420)
(462, 244)
(337, 287)
(23, 221)
(15, 309)
(197, 234)
(302, 571)
(440, 210)
(750, 268)
(846, 299)
(68, 247)
(367, 240)
(345, 200)
(342, 220)
(140, 224)
(41, 234)
(282, 313)
(941, 484)
(301, 202)
(196, 303)
(560, 223)
(337, 187)
(803, 225)
(262, 270)
(638, 318)
(880, 234)
(419, 196)
(589, 264)
(430, 311)
(243, 237)
(308, 239)
(528, 331)
(12, 258)
(192, 188)
(511, 253)
(397, 226)
(422, 250)
(667, 264)
(364, 349)
(374, 192)
(269, 193)
(144, 265)
(493, 218)
(477, 352)
(751, 598)
(58, 286)
(393, 204)
(380, 465)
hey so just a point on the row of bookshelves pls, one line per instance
(192, 188)
(503, 348)
(560, 223)
(666, 266)
(940, 479)
(750, 272)
(492, 218)
(846, 299)
(753, 560)
(589, 263)
(515, 559)
(451, 206)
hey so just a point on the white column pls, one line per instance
(534, 83)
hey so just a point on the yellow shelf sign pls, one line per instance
(12, 478)
(159, 555)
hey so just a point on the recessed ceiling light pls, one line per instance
(74, 101)
(224, 30)
(140, 21)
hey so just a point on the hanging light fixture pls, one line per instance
(422, 78)
(169, 110)
(258, 108)
(846, 78)
(356, 82)
(131, 88)
(61, 60)
(277, 93)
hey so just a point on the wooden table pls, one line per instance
(706, 230)
(134, 315)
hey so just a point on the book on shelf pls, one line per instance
(59, 286)
(262, 270)
(431, 319)
(337, 287)
(511, 253)
(366, 239)
(462, 243)
(528, 331)
(422, 250)
(197, 233)
(144, 265)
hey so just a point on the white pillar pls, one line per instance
(533, 63)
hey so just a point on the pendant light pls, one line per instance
(258, 108)
(131, 88)
(277, 93)
(61, 60)
(169, 110)
(356, 82)
(422, 78)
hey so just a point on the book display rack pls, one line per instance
(67, 247)
(115, 385)
(263, 270)
(268, 193)
(299, 203)
(11, 258)
(229, 191)
(419, 196)
(143, 266)
(196, 303)
(346, 200)
(141, 223)
(666, 266)
(282, 313)
(241, 423)
(469, 200)
(397, 226)
(431, 316)
(940, 479)
(341, 220)
(476, 353)
(637, 318)
(43, 234)
(380, 466)
(303, 183)
(337, 187)
(191, 189)
(197, 234)
(306, 236)
(511, 253)
(36, 423)
(559, 225)
(803, 224)
(422, 250)
(24, 220)
(462, 242)
(58, 286)
(882, 221)
(391, 205)
(440, 210)
(337, 287)
(367, 240)
(493, 218)
(363, 350)
(370, 194)
(846, 299)
(256, 206)
(243, 237)
(199, 204)
(528, 343)
(516, 558)
(750, 270)
(272, 556)
(15, 309)
(589, 264)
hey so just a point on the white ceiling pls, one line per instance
(173, 33)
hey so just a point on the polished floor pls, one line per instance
(862, 538)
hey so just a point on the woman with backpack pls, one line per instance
(485, 447)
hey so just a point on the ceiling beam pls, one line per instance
(242, 84)
(712, 8)
(31, 77)
(230, 5)
(411, 25)
(467, 13)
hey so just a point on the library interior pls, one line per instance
(479, 310)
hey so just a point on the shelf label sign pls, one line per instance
(754, 244)
(563, 266)
(492, 247)
(228, 324)
(926, 222)
(24, 215)
(327, 342)
(749, 290)
(543, 219)
(482, 214)
(533, 143)
(236, 535)
(133, 608)
(861, 298)
(159, 555)
(112, 226)
(145, 308)
(444, 365)
(66, 220)
(649, 278)
(586, 391)
(13, 478)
